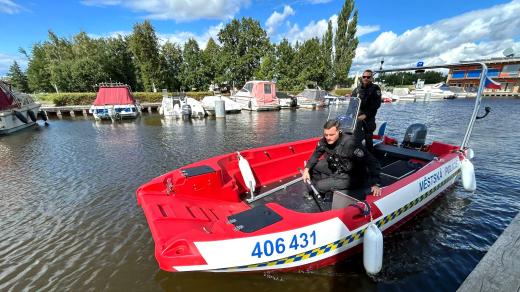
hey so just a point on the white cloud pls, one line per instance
(366, 29)
(277, 18)
(7, 60)
(318, 29)
(180, 10)
(183, 36)
(10, 7)
(113, 34)
(311, 30)
(474, 35)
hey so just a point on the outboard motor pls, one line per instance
(186, 111)
(415, 136)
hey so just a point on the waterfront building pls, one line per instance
(504, 70)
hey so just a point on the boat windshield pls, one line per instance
(348, 120)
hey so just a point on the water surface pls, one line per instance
(69, 218)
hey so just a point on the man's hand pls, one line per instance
(376, 191)
(306, 176)
(361, 117)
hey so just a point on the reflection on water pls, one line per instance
(70, 219)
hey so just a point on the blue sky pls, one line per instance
(401, 32)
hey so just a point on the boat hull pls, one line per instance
(115, 112)
(252, 104)
(10, 123)
(191, 214)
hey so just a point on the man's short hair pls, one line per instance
(369, 71)
(331, 124)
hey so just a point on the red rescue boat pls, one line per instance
(250, 211)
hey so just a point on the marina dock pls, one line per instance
(82, 110)
(499, 269)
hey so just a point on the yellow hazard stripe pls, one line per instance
(350, 238)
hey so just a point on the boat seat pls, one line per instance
(403, 153)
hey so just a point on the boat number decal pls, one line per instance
(269, 247)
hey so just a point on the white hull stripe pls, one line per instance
(346, 240)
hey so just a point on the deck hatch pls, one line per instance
(254, 219)
(197, 170)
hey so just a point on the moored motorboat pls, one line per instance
(114, 101)
(249, 211)
(231, 107)
(257, 96)
(17, 110)
(186, 107)
(312, 98)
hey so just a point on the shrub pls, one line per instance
(342, 91)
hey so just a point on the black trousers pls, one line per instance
(364, 131)
(326, 181)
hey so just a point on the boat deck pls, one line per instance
(396, 164)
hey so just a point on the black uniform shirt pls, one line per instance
(357, 162)
(370, 100)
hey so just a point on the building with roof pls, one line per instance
(504, 70)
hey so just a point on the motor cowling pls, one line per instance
(186, 110)
(415, 136)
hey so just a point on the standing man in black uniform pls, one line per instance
(370, 95)
(347, 164)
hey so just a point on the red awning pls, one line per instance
(113, 96)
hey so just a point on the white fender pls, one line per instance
(247, 173)
(468, 176)
(373, 249)
(470, 153)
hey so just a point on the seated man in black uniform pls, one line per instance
(347, 165)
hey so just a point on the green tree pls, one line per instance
(286, 66)
(118, 62)
(212, 67)
(345, 42)
(267, 69)
(38, 76)
(311, 63)
(328, 57)
(145, 48)
(244, 43)
(86, 67)
(18, 78)
(192, 74)
(58, 54)
(172, 62)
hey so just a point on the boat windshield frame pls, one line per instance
(478, 98)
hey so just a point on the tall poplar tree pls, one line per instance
(328, 57)
(345, 42)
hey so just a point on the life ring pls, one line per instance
(117, 116)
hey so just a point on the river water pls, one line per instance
(69, 218)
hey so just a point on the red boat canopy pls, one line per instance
(114, 95)
(6, 99)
